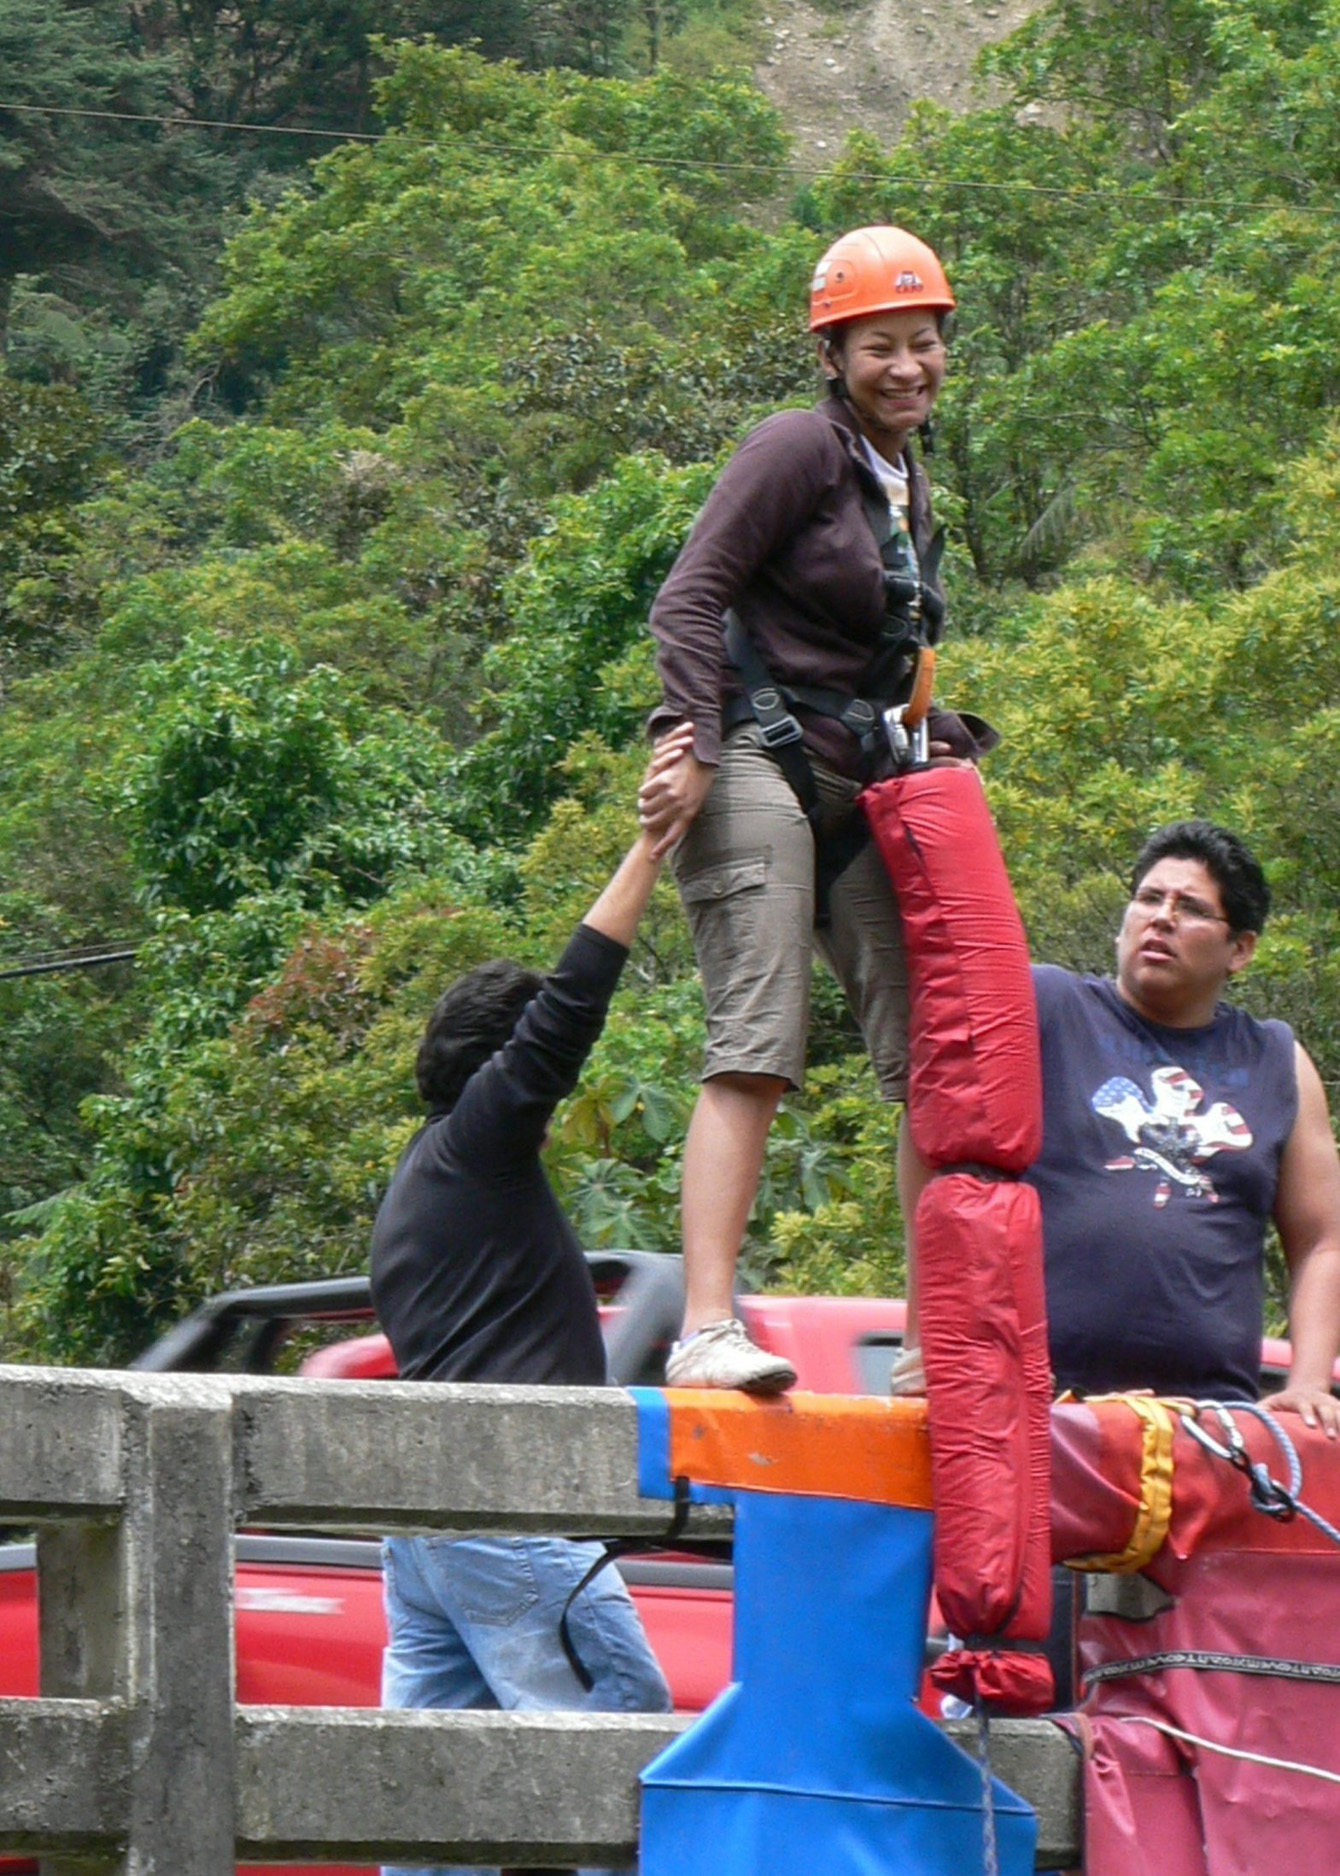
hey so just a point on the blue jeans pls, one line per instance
(473, 1622)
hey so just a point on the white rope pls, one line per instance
(1231, 1752)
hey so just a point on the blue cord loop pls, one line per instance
(990, 1848)
(1268, 1494)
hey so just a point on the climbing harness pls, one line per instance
(891, 722)
(899, 674)
(907, 725)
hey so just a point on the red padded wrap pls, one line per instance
(984, 1340)
(1011, 1683)
(976, 1083)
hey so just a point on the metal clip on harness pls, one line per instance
(776, 725)
(907, 725)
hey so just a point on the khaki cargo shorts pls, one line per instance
(745, 872)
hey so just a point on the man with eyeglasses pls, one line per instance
(1177, 1129)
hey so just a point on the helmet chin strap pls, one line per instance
(837, 384)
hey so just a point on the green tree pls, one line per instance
(1137, 67)
(360, 658)
(48, 441)
(255, 774)
(577, 658)
(110, 212)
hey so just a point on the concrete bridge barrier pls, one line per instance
(136, 1759)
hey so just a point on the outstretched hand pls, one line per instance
(675, 786)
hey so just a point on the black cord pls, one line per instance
(614, 1549)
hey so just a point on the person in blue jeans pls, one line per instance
(474, 1623)
(477, 1275)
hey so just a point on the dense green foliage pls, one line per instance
(132, 134)
(339, 689)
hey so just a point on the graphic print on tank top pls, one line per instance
(1168, 1134)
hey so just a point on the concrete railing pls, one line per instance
(136, 1758)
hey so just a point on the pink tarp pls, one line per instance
(1242, 1585)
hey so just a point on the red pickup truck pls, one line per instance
(309, 1612)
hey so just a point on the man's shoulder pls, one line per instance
(1262, 1039)
(1233, 1016)
(429, 1129)
(1054, 986)
(450, 1157)
(1047, 975)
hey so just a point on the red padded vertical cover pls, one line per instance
(975, 1101)
(976, 1084)
(984, 1340)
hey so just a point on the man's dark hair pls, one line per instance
(1231, 864)
(470, 1022)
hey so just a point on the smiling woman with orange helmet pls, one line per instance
(872, 289)
(797, 614)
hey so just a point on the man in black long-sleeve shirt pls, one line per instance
(478, 1276)
(476, 1272)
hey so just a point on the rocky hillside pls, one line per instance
(835, 70)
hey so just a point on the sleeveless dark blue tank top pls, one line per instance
(1158, 1173)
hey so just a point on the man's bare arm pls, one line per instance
(1307, 1216)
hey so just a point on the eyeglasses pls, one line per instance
(1179, 906)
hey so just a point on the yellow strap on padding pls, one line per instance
(1154, 1512)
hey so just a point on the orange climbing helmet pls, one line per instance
(876, 270)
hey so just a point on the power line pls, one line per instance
(196, 123)
(81, 961)
(1053, 191)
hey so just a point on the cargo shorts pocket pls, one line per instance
(727, 907)
(723, 880)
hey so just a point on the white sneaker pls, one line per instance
(907, 1379)
(722, 1355)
